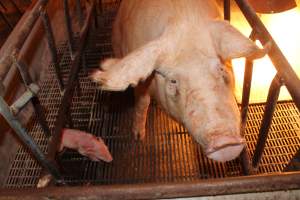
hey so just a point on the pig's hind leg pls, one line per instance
(142, 101)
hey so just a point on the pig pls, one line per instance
(86, 144)
(178, 53)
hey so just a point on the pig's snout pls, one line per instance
(224, 147)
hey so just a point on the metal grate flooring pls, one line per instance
(168, 153)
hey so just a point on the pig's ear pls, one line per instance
(230, 43)
(118, 74)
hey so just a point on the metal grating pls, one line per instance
(168, 153)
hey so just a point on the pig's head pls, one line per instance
(194, 85)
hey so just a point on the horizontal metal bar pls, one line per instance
(65, 104)
(16, 45)
(282, 65)
(31, 91)
(236, 185)
(26, 139)
(267, 119)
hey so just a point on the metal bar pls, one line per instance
(211, 187)
(31, 91)
(227, 10)
(79, 13)
(284, 69)
(11, 27)
(68, 24)
(38, 109)
(16, 7)
(267, 119)
(27, 140)
(52, 48)
(16, 45)
(294, 164)
(65, 104)
(245, 160)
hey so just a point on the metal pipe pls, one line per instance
(52, 48)
(284, 69)
(38, 109)
(69, 30)
(27, 140)
(16, 45)
(65, 104)
(31, 91)
(227, 10)
(211, 187)
(267, 119)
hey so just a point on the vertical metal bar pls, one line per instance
(68, 24)
(267, 119)
(79, 13)
(16, 7)
(227, 10)
(52, 47)
(5, 19)
(27, 140)
(39, 111)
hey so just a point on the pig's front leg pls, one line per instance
(142, 101)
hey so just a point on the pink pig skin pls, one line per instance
(86, 144)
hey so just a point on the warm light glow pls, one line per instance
(285, 29)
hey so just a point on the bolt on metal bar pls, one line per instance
(31, 91)
(68, 25)
(273, 95)
(79, 13)
(52, 48)
(27, 140)
(284, 69)
(38, 109)
(16, 45)
(6, 20)
(54, 142)
(227, 10)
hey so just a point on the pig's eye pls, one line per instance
(172, 87)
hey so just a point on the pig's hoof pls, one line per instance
(139, 134)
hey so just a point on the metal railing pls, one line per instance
(11, 57)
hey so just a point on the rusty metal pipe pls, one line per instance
(267, 119)
(236, 185)
(284, 69)
(16, 45)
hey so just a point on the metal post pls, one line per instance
(52, 48)
(39, 111)
(27, 140)
(267, 119)
(227, 10)
(68, 24)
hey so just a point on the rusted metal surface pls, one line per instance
(63, 114)
(284, 69)
(285, 181)
(16, 45)
(272, 6)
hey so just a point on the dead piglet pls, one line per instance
(86, 144)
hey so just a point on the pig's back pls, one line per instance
(140, 21)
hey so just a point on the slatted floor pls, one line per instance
(168, 153)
